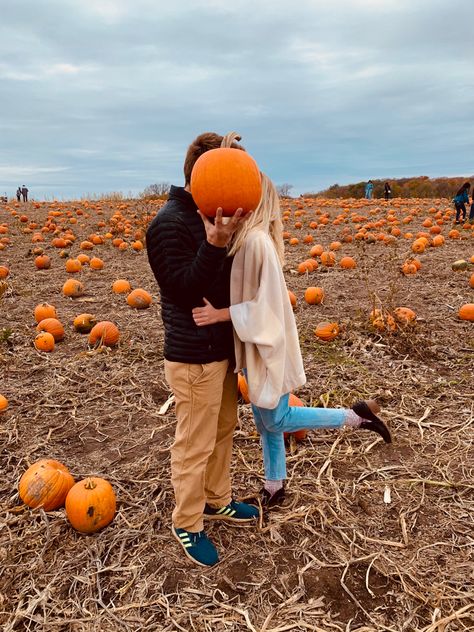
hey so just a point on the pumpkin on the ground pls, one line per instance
(327, 331)
(3, 403)
(314, 295)
(91, 504)
(84, 323)
(52, 326)
(73, 288)
(139, 298)
(45, 484)
(44, 310)
(466, 312)
(104, 333)
(121, 286)
(44, 341)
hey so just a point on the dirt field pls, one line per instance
(338, 557)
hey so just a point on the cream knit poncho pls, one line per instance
(265, 335)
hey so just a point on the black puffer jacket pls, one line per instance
(188, 268)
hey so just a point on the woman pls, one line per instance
(267, 346)
(460, 200)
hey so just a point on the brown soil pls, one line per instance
(336, 557)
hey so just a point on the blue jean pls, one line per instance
(272, 423)
(471, 213)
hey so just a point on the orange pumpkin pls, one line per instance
(96, 263)
(327, 331)
(139, 298)
(316, 251)
(226, 177)
(45, 484)
(52, 326)
(104, 333)
(43, 262)
(314, 295)
(347, 263)
(90, 504)
(471, 281)
(328, 259)
(83, 258)
(44, 342)
(73, 266)
(44, 310)
(404, 315)
(243, 388)
(73, 288)
(299, 435)
(121, 286)
(293, 299)
(3, 403)
(466, 312)
(84, 323)
(4, 272)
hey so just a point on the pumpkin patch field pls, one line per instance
(372, 536)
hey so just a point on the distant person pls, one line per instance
(460, 200)
(24, 193)
(387, 190)
(18, 194)
(369, 187)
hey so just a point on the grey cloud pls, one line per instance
(113, 92)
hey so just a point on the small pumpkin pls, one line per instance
(404, 315)
(83, 258)
(314, 295)
(293, 299)
(43, 262)
(52, 326)
(226, 177)
(121, 286)
(328, 258)
(347, 263)
(471, 281)
(73, 266)
(73, 288)
(44, 341)
(84, 323)
(3, 403)
(45, 484)
(327, 331)
(4, 272)
(91, 504)
(44, 310)
(466, 312)
(104, 333)
(96, 263)
(243, 388)
(139, 298)
(459, 265)
(299, 435)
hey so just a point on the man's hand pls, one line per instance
(209, 315)
(219, 234)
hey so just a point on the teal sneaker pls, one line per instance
(196, 546)
(233, 512)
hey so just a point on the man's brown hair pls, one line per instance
(201, 144)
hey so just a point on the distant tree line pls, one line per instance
(419, 187)
(157, 191)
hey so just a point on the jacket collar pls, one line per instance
(179, 193)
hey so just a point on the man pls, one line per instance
(188, 256)
(24, 193)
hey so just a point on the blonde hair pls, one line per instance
(266, 217)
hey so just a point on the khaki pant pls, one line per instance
(206, 412)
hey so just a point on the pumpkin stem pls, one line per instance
(230, 138)
(89, 484)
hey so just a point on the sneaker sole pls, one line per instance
(229, 519)
(193, 559)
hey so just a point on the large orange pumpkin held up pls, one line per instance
(226, 177)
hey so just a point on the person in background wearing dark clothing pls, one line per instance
(460, 200)
(24, 193)
(18, 194)
(387, 191)
(188, 256)
(471, 212)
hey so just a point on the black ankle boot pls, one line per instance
(373, 423)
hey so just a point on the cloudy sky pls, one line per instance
(106, 95)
